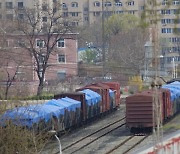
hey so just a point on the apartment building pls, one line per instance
(86, 12)
(169, 32)
(90, 11)
(18, 65)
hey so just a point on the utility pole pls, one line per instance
(103, 41)
(157, 102)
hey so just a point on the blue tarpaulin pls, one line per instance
(174, 89)
(91, 96)
(75, 103)
(27, 116)
(61, 103)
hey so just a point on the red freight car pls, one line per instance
(116, 87)
(139, 109)
(104, 92)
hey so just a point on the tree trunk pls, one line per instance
(6, 92)
(40, 87)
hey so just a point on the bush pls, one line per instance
(15, 139)
(42, 97)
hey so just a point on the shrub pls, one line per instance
(15, 139)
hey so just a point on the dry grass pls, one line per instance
(173, 125)
(14, 139)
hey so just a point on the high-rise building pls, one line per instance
(86, 12)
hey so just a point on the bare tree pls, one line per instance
(127, 50)
(42, 28)
(9, 63)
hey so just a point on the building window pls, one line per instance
(142, 7)
(130, 3)
(9, 16)
(166, 21)
(176, 11)
(61, 58)
(176, 30)
(165, 2)
(86, 9)
(61, 75)
(74, 4)
(64, 6)
(65, 14)
(118, 4)
(61, 43)
(74, 14)
(0, 5)
(175, 39)
(108, 13)
(131, 12)
(107, 4)
(20, 5)
(40, 43)
(44, 7)
(96, 14)
(54, 10)
(44, 19)
(20, 43)
(165, 11)
(86, 18)
(66, 24)
(21, 16)
(97, 4)
(176, 2)
(119, 12)
(75, 23)
(166, 30)
(9, 5)
(176, 21)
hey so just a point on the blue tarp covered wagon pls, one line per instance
(76, 114)
(93, 100)
(174, 89)
(71, 108)
(33, 116)
(67, 109)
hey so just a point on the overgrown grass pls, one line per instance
(41, 97)
(171, 126)
(174, 124)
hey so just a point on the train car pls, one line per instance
(54, 114)
(90, 102)
(103, 92)
(139, 107)
(110, 93)
(66, 110)
(115, 87)
(174, 88)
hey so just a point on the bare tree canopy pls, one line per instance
(42, 29)
(124, 42)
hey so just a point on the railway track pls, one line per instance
(127, 145)
(92, 137)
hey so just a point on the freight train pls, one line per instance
(139, 107)
(66, 110)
